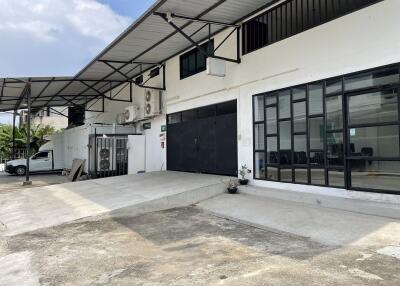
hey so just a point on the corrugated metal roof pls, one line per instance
(149, 39)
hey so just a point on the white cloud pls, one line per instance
(54, 37)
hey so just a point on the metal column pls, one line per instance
(28, 133)
(13, 135)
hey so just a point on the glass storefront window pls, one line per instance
(300, 149)
(270, 99)
(336, 178)
(301, 176)
(378, 77)
(379, 175)
(334, 113)
(335, 146)
(272, 173)
(317, 176)
(259, 136)
(285, 133)
(259, 160)
(299, 93)
(333, 86)
(272, 150)
(284, 104)
(271, 120)
(316, 129)
(373, 107)
(259, 108)
(375, 141)
(322, 134)
(286, 175)
(299, 117)
(315, 98)
(317, 159)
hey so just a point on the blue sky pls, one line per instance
(59, 37)
(130, 8)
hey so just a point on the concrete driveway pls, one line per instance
(11, 182)
(184, 246)
(145, 230)
(29, 209)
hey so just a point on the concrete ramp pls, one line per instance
(329, 226)
(30, 209)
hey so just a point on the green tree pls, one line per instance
(38, 137)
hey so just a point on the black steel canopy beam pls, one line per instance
(127, 62)
(54, 79)
(197, 45)
(43, 90)
(21, 96)
(179, 30)
(116, 70)
(94, 89)
(58, 112)
(197, 19)
(75, 96)
(206, 11)
(2, 90)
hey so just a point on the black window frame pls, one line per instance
(196, 53)
(344, 158)
(303, 16)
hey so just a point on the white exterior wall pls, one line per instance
(58, 122)
(364, 39)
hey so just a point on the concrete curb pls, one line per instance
(356, 205)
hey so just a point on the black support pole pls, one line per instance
(13, 135)
(28, 134)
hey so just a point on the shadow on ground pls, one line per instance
(183, 246)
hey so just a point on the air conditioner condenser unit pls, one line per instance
(152, 102)
(131, 113)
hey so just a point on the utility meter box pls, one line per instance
(216, 67)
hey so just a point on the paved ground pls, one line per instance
(11, 182)
(30, 209)
(64, 235)
(184, 246)
(325, 225)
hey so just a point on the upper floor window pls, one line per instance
(293, 17)
(195, 61)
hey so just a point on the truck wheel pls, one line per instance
(20, 171)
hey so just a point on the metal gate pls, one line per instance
(203, 140)
(108, 156)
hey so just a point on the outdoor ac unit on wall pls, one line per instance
(106, 154)
(131, 113)
(121, 118)
(152, 102)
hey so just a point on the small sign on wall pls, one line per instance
(163, 128)
(146, 125)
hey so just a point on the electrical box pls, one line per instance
(216, 67)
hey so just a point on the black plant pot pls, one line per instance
(243, 182)
(232, 190)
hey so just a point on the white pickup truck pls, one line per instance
(43, 161)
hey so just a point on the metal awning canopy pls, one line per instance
(149, 42)
(46, 91)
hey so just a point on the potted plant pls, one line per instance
(243, 173)
(233, 186)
